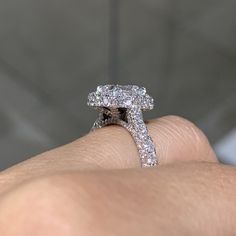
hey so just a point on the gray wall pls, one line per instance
(52, 53)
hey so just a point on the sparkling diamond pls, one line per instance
(105, 101)
(121, 96)
(142, 91)
(99, 88)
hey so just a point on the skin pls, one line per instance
(95, 186)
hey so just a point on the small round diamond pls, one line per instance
(99, 89)
(142, 91)
(105, 101)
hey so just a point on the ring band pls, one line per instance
(123, 105)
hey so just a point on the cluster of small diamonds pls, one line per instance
(144, 142)
(135, 99)
(120, 96)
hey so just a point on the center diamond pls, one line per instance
(118, 96)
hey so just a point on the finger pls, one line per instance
(176, 139)
(193, 198)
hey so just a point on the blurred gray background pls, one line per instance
(52, 53)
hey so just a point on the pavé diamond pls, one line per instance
(123, 105)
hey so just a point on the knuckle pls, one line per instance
(187, 135)
(186, 129)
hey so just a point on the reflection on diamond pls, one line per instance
(124, 96)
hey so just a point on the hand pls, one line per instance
(95, 186)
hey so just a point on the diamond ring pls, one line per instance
(123, 105)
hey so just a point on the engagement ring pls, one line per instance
(123, 105)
